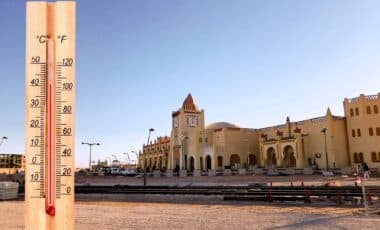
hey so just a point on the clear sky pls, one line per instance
(247, 62)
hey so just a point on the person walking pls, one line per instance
(366, 171)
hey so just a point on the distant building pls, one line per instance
(12, 163)
(156, 154)
(339, 141)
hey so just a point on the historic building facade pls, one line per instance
(328, 141)
(363, 129)
(155, 154)
(314, 142)
(12, 163)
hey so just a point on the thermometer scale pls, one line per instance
(49, 103)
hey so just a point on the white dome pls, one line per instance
(220, 125)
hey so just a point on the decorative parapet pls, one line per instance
(361, 97)
(318, 119)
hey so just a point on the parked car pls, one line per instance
(128, 172)
(115, 171)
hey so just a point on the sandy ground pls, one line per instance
(125, 215)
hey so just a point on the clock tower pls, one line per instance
(187, 122)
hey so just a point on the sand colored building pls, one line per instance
(155, 154)
(363, 129)
(12, 163)
(308, 143)
(214, 147)
(328, 141)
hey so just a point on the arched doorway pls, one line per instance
(208, 162)
(160, 163)
(271, 158)
(289, 159)
(220, 161)
(185, 162)
(234, 161)
(201, 160)
(191, 167)
(252, 159)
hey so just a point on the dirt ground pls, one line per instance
(125, 215)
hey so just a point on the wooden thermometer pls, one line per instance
(49, 120)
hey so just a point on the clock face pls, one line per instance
(175, 122)
(192, 121)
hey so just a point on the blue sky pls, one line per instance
(248, 62)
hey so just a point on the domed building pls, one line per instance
(324, 142)
(196, 147)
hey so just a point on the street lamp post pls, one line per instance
(324, 131)
(2, 140)
(90, 144)
(137, 158)
(129, 159)
(8, 161)
(150, 131)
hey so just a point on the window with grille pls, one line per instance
(370, 131)
(368, 109)
(375, 109)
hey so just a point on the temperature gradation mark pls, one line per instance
(50, 137)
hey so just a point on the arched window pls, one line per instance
(374, 157)
(353, 133)
(361, 158)
(368, 109)
(359, 133)
(356, 158)
(375, 109)
(357, 111)
(351, 112)
(370, 131)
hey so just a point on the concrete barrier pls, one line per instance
(197, 173)
(183, 173)
(8, 190)
(288, 171)
(258, 171)
(156, 173)
(242, 171)
(272, 172)
(227, 172)
(169, 173)
(307, 171)
(211, 172)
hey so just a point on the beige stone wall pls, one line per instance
(309, 144)
(156, 154)
(359, 122)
